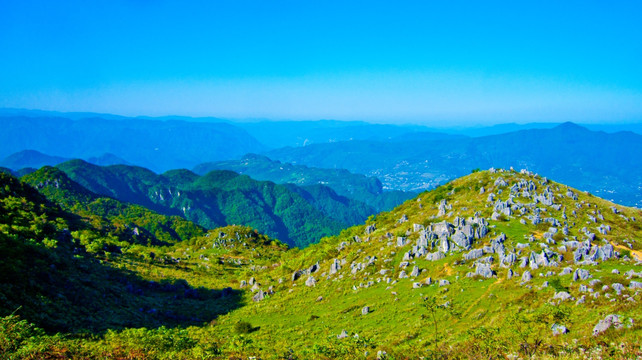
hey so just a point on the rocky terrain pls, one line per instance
(499, 263)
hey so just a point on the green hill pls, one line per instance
(496, 264)
(471, 279)
(62, 270)
(129, 221)
(368, 190)
(296, 216)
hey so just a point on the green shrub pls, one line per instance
(16, 333)
(555, 284)
(243, 327)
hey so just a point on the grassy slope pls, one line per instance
(397, 320)
(485, 317)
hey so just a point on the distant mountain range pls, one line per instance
(158, 145)
(594, 161)
(402, 157)
(35, 159)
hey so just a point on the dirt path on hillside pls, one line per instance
(636, 253)
(485, 294)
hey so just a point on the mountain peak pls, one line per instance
(570, 126)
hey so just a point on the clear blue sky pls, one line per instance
(425, 61)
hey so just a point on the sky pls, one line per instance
(420, 62)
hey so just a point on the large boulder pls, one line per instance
(335, 267)
(296, 275)
(310, 281)
(474, 254)
(581, 274)
(606, 323)
(415, 271)
(484, 270)
(562, 296)
(461, 240)
(558, 329)
(260, 295)
(370, 229)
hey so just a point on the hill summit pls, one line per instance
(495, 264)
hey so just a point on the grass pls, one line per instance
(486, 318)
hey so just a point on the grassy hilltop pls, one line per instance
(535, 269)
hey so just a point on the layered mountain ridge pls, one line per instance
(297, 216)
(590, 160)
(368, 190)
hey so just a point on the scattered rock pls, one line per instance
(562, 296)
(297, 274)
(370, 229)
(260, 295)
(310, 281)
(635, 285)
(559, 329)
(581, 274)
(415, 271)
(605, 324)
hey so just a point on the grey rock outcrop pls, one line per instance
(296, 275)
(260, 295)
(562, 296)
(335, 267)
(370, 229)
(438, 255)
(635, 285)
(558, 329)
(581, 274)
(415, 271)
(310, 281)
(606, 323)
(474, 254)
(484, 270)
